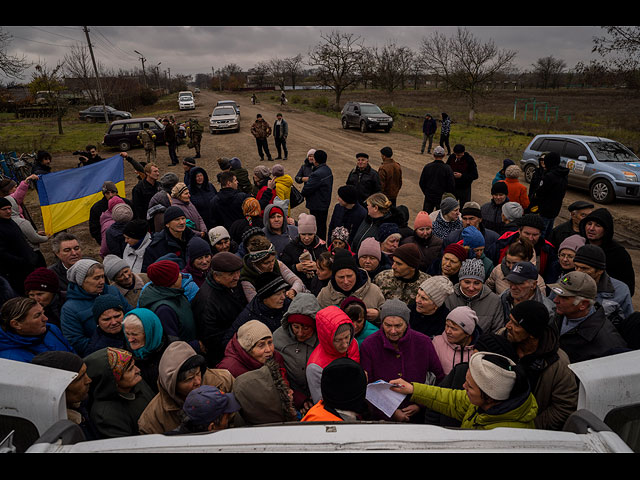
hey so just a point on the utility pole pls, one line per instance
(95, 68)
(144, 74)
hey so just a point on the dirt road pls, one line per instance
(309, 130)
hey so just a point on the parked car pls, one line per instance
(232, 103)
(33, 406)
(605, 168)
(186, 101)
(366, 116)
(96, 114)
(124, 133)
(224, 118)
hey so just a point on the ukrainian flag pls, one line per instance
(67, 196)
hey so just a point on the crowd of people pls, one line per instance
(214, 305)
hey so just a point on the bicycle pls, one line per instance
(17, 168)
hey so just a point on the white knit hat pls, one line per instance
(494, 380)
(472, 268)
(78, 271)
(218, 233)
(438, 288)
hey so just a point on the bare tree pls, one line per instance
(393, 64)
(77, 64)
(367, 67)
(622, 47)
(548, 71)
(338, 61)
(294, 68)
(464, 64)
(50, 82)
(259, 74)
(11, 65)
(278, 71)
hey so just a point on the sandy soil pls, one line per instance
(309, 130)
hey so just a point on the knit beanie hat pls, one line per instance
(163, 273)
(190, 161)
(465, 317)
(307, 224)
(512, 171)
(472, 237)
(109, 186)
(251, 333)
(235, 163)
(78, 271)
(224, 163)
(320, 156)
(226, 262)
(275, 210)
(343, 259)
(370, 246)
(218, 233)
(506, 163)
(4, 202)
(67, 361)
(340, 233)
(42, 279)
(499, 188)
(196, 248)
(574, 242)
(136, 229)
(113, 265)
(122, 213)
(512, 210)
(168, 181)
(448, 204)
(385, 230)
(495, 380)
(344, 385)
(457, 250)
(438, 288)
(348, 193)
(206, 404)
(269, 283)
(277, 170)
(178, 189)
(532, 220)
(472, 268)
(105, 302)
(531, 315)
(311, 152)
(262, 172)
(172, 213)
(591, 255)
(113, 201)
(422, 220)
(395, 307)
(471, 208)
(409, 253)
(6, 184)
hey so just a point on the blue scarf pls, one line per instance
(153, 332)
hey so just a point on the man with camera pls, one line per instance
(89, 156)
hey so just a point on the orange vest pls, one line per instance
(317, 413)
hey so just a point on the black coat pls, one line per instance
(290, 256)
(467, 166)
(347, 218)
(436, 179)
(215, 308)
(226, 207)
(141, 196)
(17, 258)
(163, 243)
(366, 181)
(317, 190)
(202, 196)
(550, 193)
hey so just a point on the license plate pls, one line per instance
(383, 123)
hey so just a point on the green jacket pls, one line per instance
(518, 412)
(181, 324)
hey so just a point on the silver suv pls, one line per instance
(603, 167)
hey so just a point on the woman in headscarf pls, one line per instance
(202, 193)
(252, 217)
(108, 313)
(118, 393)
(181, 197)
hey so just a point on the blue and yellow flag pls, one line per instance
(67, 196)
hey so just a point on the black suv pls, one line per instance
(124, 133)
(366, 116)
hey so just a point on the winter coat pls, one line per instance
(291, 256)
(172, 307)
(351, 219)
(164, 412)
(17, 258)
(414, 359)
(249, 275)
(467, 167)
(283, 188)
(390, 174)
(368, 329)
(296, 354)
(492, 215)
(436, 179)
(614, 296)
(260, 129)
(244, 184)
(141, 196)
(191, 212)
(365, 290)
(486, 304)
(552, 382)
(490, 237)
(226, 207)
(517, 192)
(594, 337)
(305, 171)
(450, 354)
(237, 361)
(395, 287)
(102, 339)
(320, 413)
(114, 414)
(283, 131)
(257, 310)
(551, 190)
(202, 196)
(366, 181)
(155, 213)
(30, 234)
(619, 264)
(429, 248)
(23, 348)
(76, 317)
(518, 412)
(134, 256)
(132, 294)
(327, 322)
(369, 227)
(163, 243)
(317, 190)
(442, 228)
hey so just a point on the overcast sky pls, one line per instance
(191, 50)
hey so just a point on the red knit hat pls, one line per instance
(275, 210)
(457, 250)
(422, 220)
(163, 273)
(301, 319)
(42, 279)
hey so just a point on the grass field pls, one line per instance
(610, 113)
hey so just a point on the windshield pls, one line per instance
(369, 109)
(186, 99)
(224, 111)
(612, 152)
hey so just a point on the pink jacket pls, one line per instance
(450, 355)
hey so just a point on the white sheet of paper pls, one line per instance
(380, 395)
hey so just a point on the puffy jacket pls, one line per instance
(317, 190)
(486, 304)
(23, 348)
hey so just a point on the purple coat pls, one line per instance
(414, 358)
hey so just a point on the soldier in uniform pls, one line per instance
(148, 140)
(194, 131)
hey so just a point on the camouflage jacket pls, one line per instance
(147, 138)
(394, 287)
(260, 129)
